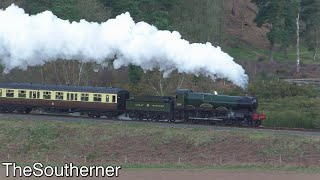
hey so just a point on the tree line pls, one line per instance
(280, 17)
(197, 21)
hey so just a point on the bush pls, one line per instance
(290, 119)
(291, 112)
(280, 89)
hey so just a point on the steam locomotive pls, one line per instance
(187, 106)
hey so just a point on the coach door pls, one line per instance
(34, 94)
(72, 96)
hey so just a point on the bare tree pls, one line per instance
(152, 85)
(298, 43)
(316, 44)
(243, 11)
(67, 72)
(221, 22)
(180, 82)
(162, 85)
(233, 10)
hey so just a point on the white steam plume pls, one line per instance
(29, 40)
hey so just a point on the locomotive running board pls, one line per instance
(207, 119)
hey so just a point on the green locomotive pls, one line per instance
(197, 107)
(217, 109)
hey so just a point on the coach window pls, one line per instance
(107, 98)
(84, 97)
(97, 97)
(22, 94)
(46, 95)
(113, 99)
(9, 93)
(59, 95)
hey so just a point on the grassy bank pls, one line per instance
(134, 145)
(292, 112)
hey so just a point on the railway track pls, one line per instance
(78, 118)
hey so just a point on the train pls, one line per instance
(185, 106)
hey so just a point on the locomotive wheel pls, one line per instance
(257, 123)
(250, 123)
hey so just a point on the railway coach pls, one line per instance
(93, 101)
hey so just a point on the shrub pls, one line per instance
(290, 119)
(280, 89)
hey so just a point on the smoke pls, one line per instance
(30, 40)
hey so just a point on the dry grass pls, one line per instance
(102, 143)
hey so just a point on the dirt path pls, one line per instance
(216, 175)
(171, 174)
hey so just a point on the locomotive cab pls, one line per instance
(180, 97)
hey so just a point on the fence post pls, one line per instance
(220, 160)
(179, 161)
(125, 159)
(85, 159)
(8, 156)
(280, 160)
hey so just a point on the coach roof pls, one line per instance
(51, 87)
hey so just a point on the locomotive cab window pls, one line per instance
(84, 97)
(97, 97)
(22, 94)
(47, 95)
(10, 93)
(59, 95)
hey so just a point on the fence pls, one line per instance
(213, 160)
(308, 81)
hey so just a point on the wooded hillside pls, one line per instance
(245, 29)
